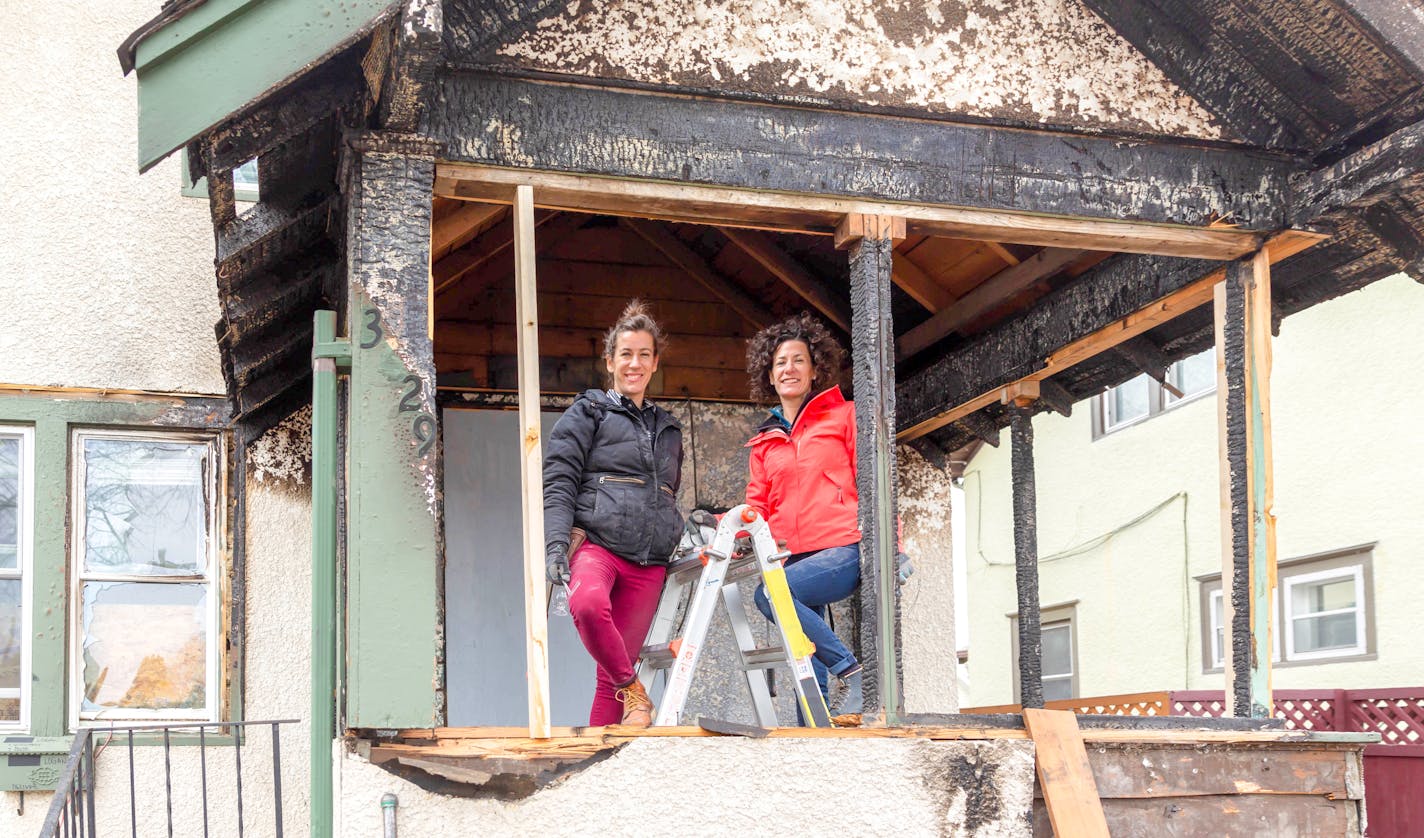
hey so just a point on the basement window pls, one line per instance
(145, 593)
(16, 548)
(1142, 397)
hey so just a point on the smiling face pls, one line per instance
(792, 371)
(634, 360)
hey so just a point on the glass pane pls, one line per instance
(1057, 689)
(244, 177)
(1196, 374)
(9, 503)
(1326, 595)
(1335, 631)
(11, 639)
(145, 645)
(1128, 401)
(1057, 650)
(144, 507)
(1218, 645)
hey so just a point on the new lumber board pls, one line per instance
(1065, 775)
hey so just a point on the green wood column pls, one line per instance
(1243, 340)
(393, 620)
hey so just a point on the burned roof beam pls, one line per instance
(514, 123)
(1388, 222)
(1055, 397)
(1398, 24)
(1364, 177)
(417, 57)
(980, 427)
(1018, 347)
(1147, 357)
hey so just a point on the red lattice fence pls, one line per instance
(1397, 715)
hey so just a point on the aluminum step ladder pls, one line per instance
(713, 570)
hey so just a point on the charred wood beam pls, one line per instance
(522, 124)
(1216, 62)
(1399, 24)
(335, 85)
(981, 427)
(1055, 397)
(791, 273)
(1147, 357)
(692, 263)
(1017, 348)
(417, 57)
(471, 26)
(1025, 506)
(1390, 224)
(985, 296)
(1367, 176)
(268, 234)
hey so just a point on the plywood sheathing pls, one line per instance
(1040, 62)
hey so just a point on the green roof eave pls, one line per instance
(219, 56)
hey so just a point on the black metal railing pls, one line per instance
(71, 811)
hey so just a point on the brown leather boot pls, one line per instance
(637, 707)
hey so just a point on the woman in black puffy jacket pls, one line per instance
(612, 467)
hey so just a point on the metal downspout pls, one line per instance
(328, 356)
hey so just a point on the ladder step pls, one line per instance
(657, 657)
(764, 657)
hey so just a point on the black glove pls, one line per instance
(903, 568)
(556, 564)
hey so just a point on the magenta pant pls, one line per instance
(612, 601)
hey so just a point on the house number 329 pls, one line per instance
(422, 424)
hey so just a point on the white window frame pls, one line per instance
(1216, 614)
(1072, 675)
(1355, 572)
(25, 572)
(212, 576)
(1159, 401)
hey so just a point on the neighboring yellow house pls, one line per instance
(1129, 520)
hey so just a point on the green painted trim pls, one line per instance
(202, 68)
(52, 418)
(326, 350)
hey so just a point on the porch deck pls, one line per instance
(1154, 776)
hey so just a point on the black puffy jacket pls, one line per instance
(605, 473)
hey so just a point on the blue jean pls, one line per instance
(817, 580)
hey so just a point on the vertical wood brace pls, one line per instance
(1025, 505)
(1243, 338)
(873, 359)
(531, 463)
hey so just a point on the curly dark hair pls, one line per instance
(827, 356)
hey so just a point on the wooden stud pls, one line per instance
(919, 285)
(531, 466)
(1021, 393)
(987, 294)
(696, 267)
(1243, 324)
(459, 225)
(789, 271)
(821, 215)
(1065, 775)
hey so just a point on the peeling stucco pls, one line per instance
(1030, 61)
(283, 454)
(927, 599)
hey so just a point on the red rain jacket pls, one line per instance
(804, 481)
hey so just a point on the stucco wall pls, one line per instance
(1039, 61)
(276, 686)
(106, 276)
(675, 787)
(1348, 455)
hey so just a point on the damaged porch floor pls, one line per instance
(1154, 775)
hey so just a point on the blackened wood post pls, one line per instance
(871, 240)
(1019, 405)
(1248, 524)
(393, 529)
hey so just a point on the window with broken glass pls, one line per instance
(146, 546)
(16, 530)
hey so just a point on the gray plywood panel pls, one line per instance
(484, 583)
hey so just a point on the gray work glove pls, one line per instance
(556, 564)
(903, 568)
(703, 518)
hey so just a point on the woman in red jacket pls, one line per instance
(803, 481)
